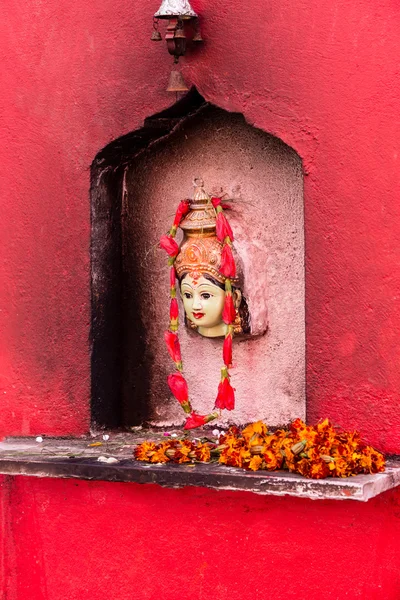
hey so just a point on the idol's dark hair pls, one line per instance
(243, 308)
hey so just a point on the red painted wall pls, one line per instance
(322, 76)
(80, 540)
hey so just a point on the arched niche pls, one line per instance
(137, 182)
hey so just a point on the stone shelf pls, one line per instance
(77, 458)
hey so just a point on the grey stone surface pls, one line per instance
(80, 460)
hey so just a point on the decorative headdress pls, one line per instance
(201, 251)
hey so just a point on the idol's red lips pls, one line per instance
(198, 315)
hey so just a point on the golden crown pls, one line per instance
(200, 252)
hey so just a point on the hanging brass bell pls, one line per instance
(156, 36)
(179, 33)
(197, 36)
(177, 83)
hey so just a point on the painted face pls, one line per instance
(203, 302)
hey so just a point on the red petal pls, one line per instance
(173, 346)
(223, 228)
(178, 386)
(168, 244)
(174, 309)
(228, 266)
(172, 277)
(229, 313)
(194, 421)
(181, 211)
(226, 395)
(227, 350)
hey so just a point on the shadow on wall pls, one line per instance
(107, 326)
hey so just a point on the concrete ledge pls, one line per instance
(78, 459)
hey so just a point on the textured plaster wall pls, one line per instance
(264, 178)
(322, 76)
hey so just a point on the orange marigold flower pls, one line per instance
(244, 457)
(159, 456)
(318, 470)
(181, 458)
(257, 427)
(303, 467)
(233, 430)
(230, 457)
(255, 463)
(142, 450)
(273, 461)
(314, 452)
(371, 460)
(203, 453)
(297, 425)
(183, 451)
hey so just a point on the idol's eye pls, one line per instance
(205, 296)
(187, 295)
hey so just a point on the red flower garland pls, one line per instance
(226, 393)
(177, 383)
(168, 244)
(227, 350)
(179, 387)
(174, 348)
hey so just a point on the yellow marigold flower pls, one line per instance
(231, 441)
(286, 448)
(303, 467)
(342, 467)
(181, 458)
(255, 440)
(318, 470)
(255, 463)
(372, 461)
(142, 450)
(297, 424)
(313, 451)
(273, 461)
(159, 456)
(244, 457)
(230, 458)
(259, 427)
(202, 452)
(186, 447)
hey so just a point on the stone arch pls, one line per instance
(136, 181)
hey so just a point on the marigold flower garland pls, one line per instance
(176, 381)
(315, 452)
